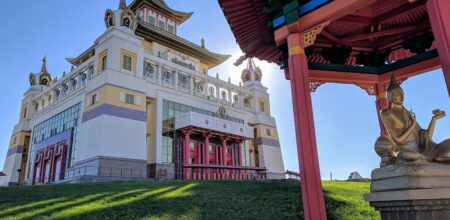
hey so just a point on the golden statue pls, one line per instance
(406, 141)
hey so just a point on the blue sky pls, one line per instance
(345, 116)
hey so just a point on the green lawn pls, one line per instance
(179, 200)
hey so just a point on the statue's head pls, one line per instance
(395, 92)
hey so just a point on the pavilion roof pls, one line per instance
(250, 28)
(161, 5)
(383, 29)
(153, 33)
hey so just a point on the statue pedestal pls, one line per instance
(411, 191)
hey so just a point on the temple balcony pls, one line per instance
(213, 124)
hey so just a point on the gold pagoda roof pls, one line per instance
(154, 34)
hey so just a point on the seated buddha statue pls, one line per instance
(406, 141)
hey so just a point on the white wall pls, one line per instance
(12, 164)
(112, 136)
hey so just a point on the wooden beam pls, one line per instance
(364, 78)
(403, 30)
(332, 11)
(412, 70)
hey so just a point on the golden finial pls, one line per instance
(122, 5)
(44, 65)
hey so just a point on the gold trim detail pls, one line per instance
(296, 51)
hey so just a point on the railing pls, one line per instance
(223, 172)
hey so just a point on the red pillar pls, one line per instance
(240, 158)
(224, 151)
(232, 161)
(206, 153)
(186, 151)
(438, 12)
(381, 103)
(224, 156)
(312, 194)
(206, 161)
(240, 153)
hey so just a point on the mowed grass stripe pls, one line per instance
(180, 200)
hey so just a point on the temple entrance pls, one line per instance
(204, 152)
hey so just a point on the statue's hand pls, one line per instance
(412, 117)
(438, 114)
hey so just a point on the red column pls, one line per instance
(240, 158)
(224, 152)
(206, 157)
(240, 153)
(232, 161)
(381, 103)
(224, 156)
(206, 161)
(438, 12)
(186, 151)
(312, 195)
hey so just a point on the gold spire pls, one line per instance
(393, 84)
(44, 65)
(122, 5)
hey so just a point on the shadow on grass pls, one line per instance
(332, 205)
(164, 200)
(197, 200)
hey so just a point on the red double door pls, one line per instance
(49, 164)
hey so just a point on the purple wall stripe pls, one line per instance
(112, 110)
(267, 141)
(65, 135)
(15, 150)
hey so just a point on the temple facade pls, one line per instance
(139, 104)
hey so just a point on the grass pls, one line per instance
(179, 200)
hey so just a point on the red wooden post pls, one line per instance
(187, 141)
(438, 12)
(224, 156)
(224, 152)
(240, 153)
(232, 160)
(206, 149)
(381, 103)
(206, 153)
(240, 158)
(312, 195)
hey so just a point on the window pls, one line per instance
(162, 25)
(93, 99)
(151, 20)
(268, 131)
(104, 63)
(129, 99)
(126, 62)
(262, 107)
(170, 28)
